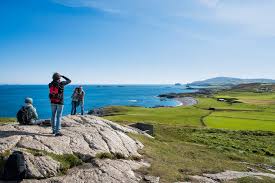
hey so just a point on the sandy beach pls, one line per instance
(187, 101)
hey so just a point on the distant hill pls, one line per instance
(225, 81)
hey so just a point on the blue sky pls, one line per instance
(136, 41)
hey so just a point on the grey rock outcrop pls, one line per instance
(83, 136)
(230, 175)
(151, 179)
(99, 171)
(40, 166)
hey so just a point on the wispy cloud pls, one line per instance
(255, 17)
(100, 5)
(209, 3)
(249, 17)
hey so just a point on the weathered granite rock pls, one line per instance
(99, 171)
(151, 179)
(84, 136)
(230, 175)
(40, 166)
(201, 179)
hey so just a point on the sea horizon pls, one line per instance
(97, 96)
(131, 84)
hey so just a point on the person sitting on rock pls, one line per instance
(27, 115)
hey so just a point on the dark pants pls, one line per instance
(74, 106)
(82, 107)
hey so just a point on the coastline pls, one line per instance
(187, 99)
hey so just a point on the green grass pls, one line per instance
(174, 160)
(234, 94)
(67, 161)
(182, 147)
(7, 120)
(178, 152)
(250, 97)
(256, 113)
(241, 120)
(188, 116)
(236, 116)
(106, 155)
(206, 103)
(246, 142)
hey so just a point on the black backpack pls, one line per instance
(15, 167)
(23, 116)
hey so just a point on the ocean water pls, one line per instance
(12, 97)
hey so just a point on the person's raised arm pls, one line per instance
(67, 80)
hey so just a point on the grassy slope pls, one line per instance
(180, 150)
(189, 116)
(242, 120)
(250, 97)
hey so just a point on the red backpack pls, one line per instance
(55, 93)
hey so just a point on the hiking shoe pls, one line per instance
(58, 134)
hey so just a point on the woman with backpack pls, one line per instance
(57, 101)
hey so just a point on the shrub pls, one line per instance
(105, 155)
(67, 161)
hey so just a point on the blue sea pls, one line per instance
(12, 97)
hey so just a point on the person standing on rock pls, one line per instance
(78, 99)
(81, 95)
(74, 101)
(57, 101)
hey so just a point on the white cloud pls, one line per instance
(249, 17)
(256, 17)
(209, 3)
